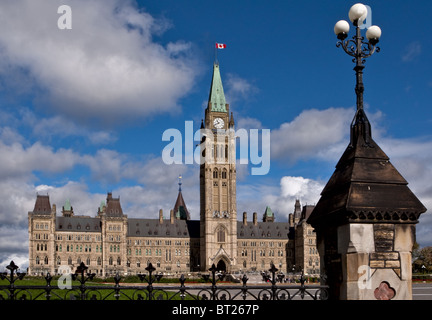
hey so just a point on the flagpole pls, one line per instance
(216, 50)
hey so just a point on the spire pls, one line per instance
(217, 100)
(180, 209)
(231, 122)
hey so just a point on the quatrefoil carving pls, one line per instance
(384, 291)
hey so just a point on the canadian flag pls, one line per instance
(220, 45)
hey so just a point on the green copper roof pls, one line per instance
(217, 96)
(67, 206)
(102, 205)
(268, 212)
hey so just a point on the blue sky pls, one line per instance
(82, 111)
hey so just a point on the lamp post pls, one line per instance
(357, 47)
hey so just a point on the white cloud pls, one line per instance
(238, 88)
(311, 133)
(18, 161)
(106, 67)
(248, 123)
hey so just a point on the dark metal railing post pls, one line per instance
(244, 288)
(117, 286)
(213, 280)
(182, 287)
(273, 271)
(150, 279)
(48, 288)
(82, 268)
(12, 267)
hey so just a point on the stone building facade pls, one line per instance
(111, 242)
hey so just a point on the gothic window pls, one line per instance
(99, 261)
(118, 261)
(215, 174)
(138, 264)
(70, 260)
(224, 174)
(37, 260)
(88, 261)
(110, 262)
(221, 235)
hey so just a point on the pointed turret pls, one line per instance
(180, 209)
(231, 122)
(217, 100)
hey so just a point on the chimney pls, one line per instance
(160, 216)
(245, 218)
(172, 216)
(255, 219)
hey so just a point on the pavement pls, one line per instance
(422, 291)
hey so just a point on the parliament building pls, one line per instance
(110, 242)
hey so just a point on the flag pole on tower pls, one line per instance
(218, 46)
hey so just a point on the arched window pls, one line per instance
(221, 234)
(110, 262)
(37, 260)
(88, 261)
(118, 261)
(99, 261)
(58, 261)
(69, 260)
(46, 260)
(224, 174)
(215, 174)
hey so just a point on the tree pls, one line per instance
(422, 258)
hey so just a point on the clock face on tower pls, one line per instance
(218, 123)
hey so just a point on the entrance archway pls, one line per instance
(221, 266)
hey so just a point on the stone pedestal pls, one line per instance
(376, 261)
(365, 223)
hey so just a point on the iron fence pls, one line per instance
(151, 289)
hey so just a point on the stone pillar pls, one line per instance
(365, 223)
(375, 261)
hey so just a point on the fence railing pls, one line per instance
(151, 289)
